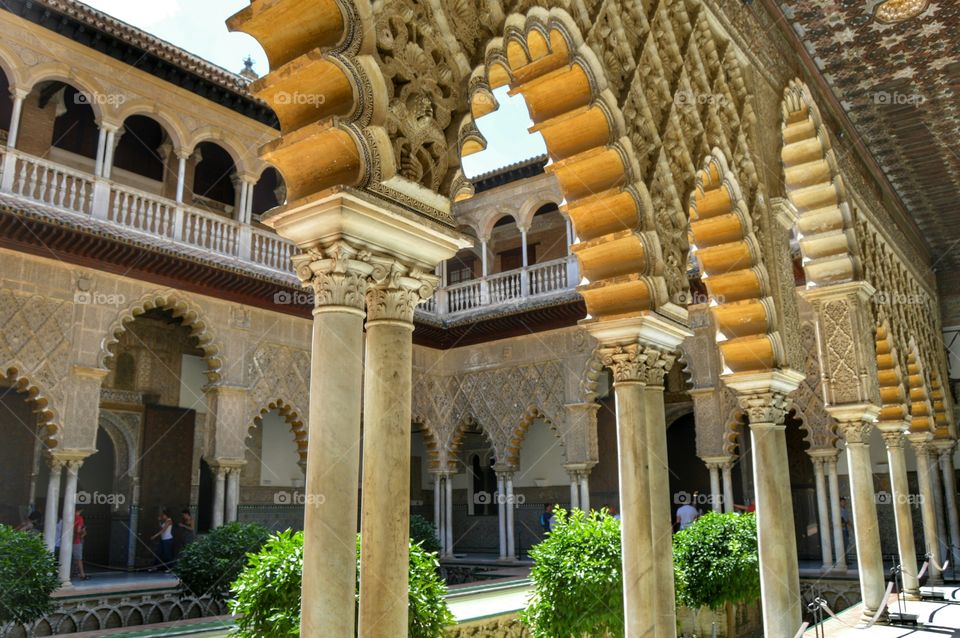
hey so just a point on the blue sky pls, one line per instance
(198, 26)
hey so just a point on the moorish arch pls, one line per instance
(181, 308)
(48, 417)
(298, 424)
(814, 185)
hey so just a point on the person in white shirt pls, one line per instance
(686, 514)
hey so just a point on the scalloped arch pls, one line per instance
(814, 185)
(181, 308)
(298, 425)
(39, 401)
(511, 453)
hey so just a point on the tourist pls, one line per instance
(750, 507)
(164, 555)
(686, 515)
(187, 529)
(546, 519)
(31, 523)
(79, 533)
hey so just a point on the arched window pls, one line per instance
(75, 128)
(213, 186)
(269, 192)
(140, 148)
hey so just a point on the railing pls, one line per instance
(52, 184)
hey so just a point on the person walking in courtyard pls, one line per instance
(686, 515)
(165, 545)
(79, 533)
(187, 530)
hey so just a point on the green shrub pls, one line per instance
(424, 533)
(267, 593)
(578, 578)
(214, 560)
(28, 575)
(716, 563)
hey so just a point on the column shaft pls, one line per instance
(727, 472)
(436, 513)
(660, 513)
(639, 590)
(574, 492)
(52, 506)
(944, 545)
(333, 470)
(448, 502)
(865, 524)
(511, 530)
(585, 492)
(69, 513)
(385, 518)
(502, 515)
(181, 176)
(928, 514)
(950, 493)
(233, 494)
(840, 548)
(715, 496)
(15, 120)
(901, 511)
(218, 498)
(823, 513)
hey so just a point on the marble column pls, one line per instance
(233, 493)
(928, 514)
(766, 405)
(574, 490)
(716, 497)
(502, 513)
(726, 470)
(511, 529)
(840, 548)
(437, 523)
(219, 491)
(18, 96)
(900, 488)
(945, 447)
(338, 277)
(823, 508)
(448, 503)
(866, 527)
(181, 175)
(385, 509)
(52, 505)
(585, 490)
(72, 467)
(935, 476)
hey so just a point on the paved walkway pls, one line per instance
(936, 619)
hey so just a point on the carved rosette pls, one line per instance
(338, 274)
(765, 407)
(637, 363)
(395, 291)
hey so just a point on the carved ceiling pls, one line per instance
(894, 65)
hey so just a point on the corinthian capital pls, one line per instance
(637, 363)
(396, 290)
(338, 274)
(765, 407)
(855, 432)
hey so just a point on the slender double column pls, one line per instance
(72, 467)
(726, 471)
(833, 482)
(766, 404)
(649, 601)
(233, 494)
(448, 516)
(443, 512)
(893, 440)
(52, 505)
(387, 386)
(721, 492)
(574, 489)
(945, 449)
(928, 515)
(339, 282)
(866, 527)
(502, 513)
(823, 506)
(219, 496)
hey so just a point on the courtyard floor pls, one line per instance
(936, 619)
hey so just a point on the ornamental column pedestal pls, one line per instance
(763, 396)
(387, 386)
(928, 515)
(817, 457)
(639, 352)
(893, 436)
(854, 426)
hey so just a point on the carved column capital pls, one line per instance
(892, 439)
(338, 274)
(768, 408)
(637, 363)
(396, 289)
(855, 432)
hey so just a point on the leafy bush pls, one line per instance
(578, 578)
(267, 593)
(716, 563)
(214, 560)
(28, 575)
(423, 532)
